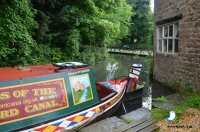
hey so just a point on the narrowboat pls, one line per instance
(59, 97)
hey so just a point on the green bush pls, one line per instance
(88, 55)
(151, 65)
(92, 54)
(188, 89)
(180, 110)
(193, 101)
(159, 114)
(176, 86)
(16, 30)
(161, 99)
(39, 32)
(44, 54)
(101, 53)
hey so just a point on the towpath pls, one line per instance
(138, 120)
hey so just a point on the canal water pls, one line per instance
(119, 65)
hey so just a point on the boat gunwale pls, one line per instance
(101, 103)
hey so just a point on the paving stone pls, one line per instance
(139, 114)
(106, 125)
(176, 98)
(165, 106)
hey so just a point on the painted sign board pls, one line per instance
(81, 88)
(30, 100)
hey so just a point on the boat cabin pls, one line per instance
(31, 96)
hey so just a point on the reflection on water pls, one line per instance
(111, 68)
(147, 99)
(119, 65)
(147, 102)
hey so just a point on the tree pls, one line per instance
(142, 22)
(16, 30)
(74, 26)
(45, 31)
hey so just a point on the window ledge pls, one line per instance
(167, 54)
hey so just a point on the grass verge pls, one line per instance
(192, 101)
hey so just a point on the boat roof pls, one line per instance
(18, 73)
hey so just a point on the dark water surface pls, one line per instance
(119, 65)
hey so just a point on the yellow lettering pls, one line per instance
(4, 95)
(36, 92)
(16, 94)
(21, 93)
(44, 91)
(40, 106)
(24, 93)
(9, 113)
(52, 91)
(28, 108)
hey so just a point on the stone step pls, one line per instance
(129, 126)
(164, 106)
(146, 126)
(141, 113)
(116, 124)
(106, 125)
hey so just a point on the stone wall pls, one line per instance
(182, 68)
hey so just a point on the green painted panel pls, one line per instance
(42, 99)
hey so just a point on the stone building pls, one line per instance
(177, 43)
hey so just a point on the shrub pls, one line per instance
(161, 99)
(159, 114)
(16, 26)
(193, 101)
(43, 54)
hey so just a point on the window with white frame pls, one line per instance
(168, 38)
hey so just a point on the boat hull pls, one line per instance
(41, 98)
(75, 121)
